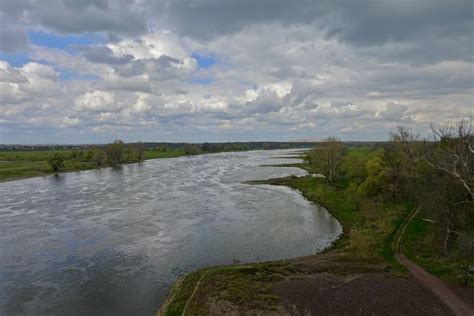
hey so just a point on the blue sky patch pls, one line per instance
(16, 60)
(62, 41)
(204, 61)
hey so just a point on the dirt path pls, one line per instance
(434, 284)
(438, 287)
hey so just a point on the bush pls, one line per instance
(190, 149)
(56, 162)
(114, 152)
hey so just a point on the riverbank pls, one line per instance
(358, 273)
(16, 165)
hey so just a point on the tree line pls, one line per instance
(112, 154)
(436, 174)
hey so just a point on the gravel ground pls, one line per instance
(466, 293)
(366, 294)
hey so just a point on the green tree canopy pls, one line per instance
(114, 152)
(56, 162)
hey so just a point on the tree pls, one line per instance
(455, 154)
(206, 147)
(162, 147)
(326, 157)
(376, 170)
(140, 148)
(129, 153)
(56, 162)
(403, 161)
(99, 157)
(114, 152)
(89, 155)
(447, 192)
(191, 149)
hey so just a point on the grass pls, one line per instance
(14, 170)
(16, 165)
(180, 293)
(246, 286)
(171, 153)
(31, 155)
(360, 151)
(423, 244)
(368, 230)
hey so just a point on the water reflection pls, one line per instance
(112, 241)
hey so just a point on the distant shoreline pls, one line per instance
(20, 168)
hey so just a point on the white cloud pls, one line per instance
(303, 72)
(393, 111)
(97, 101)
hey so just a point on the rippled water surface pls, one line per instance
(112, 241)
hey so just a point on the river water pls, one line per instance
(112, 241)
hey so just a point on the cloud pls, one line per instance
(360, 22)
(98, 101)
(163, 67)
(103, 55)
(393, 111)
(10, 74)
(277, 69)
(12, 38)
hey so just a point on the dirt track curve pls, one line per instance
(434, 284)
(438, 287)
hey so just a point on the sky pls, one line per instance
(92, 71)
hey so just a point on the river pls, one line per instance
(113, 241)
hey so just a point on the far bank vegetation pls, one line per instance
(110, 155)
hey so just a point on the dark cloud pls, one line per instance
(117, 18)
(12, 34)
(210, 18)
(376, 22)
(366, 22)
(103, 54)
(12, 38)
(84, 4)
(163, 67)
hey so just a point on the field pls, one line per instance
(16, 165)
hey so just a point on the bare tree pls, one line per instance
(449, 192)
(455, 154)
(326, 157)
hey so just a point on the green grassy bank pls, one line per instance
(16, 165)
(366, 245)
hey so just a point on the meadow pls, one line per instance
(21, 164)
